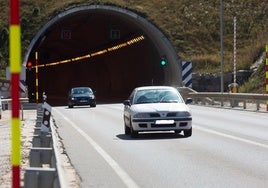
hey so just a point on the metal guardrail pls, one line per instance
(45, 169)
(229, 96)
(8, 101)
(233, 100)
(6, 104)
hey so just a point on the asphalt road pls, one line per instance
(228, 148)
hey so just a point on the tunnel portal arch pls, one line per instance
(83, 25)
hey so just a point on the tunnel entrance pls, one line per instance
(109, 49)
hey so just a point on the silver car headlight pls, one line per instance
(184, 114)
(141, 115)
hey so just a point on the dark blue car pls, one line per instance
(80, 96)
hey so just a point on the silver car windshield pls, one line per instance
(157, 96)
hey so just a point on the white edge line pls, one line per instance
(232, 137)
(115, 166)
(59, 164)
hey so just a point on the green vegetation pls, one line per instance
(192, 27)
(255, 83)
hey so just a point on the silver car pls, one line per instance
(157, 108)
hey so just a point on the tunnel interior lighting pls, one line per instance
(97, 53)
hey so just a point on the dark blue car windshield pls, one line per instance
(81, 90)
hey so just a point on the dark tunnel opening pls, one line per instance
(121, 56)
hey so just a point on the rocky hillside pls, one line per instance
(192, 26)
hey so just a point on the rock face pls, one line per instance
(5, 88)
(212, 82)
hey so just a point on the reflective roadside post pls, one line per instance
(233, 88)
(45, 127)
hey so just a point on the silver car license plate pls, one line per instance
(163, 122)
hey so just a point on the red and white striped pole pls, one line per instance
(36, 78)
(235, 86)
(266, 75)
(15, 68)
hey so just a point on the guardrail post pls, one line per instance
(42, 140)
(244, 104)
(40, 156)
(234, 103)
(39, 177)
(31, 179)
(258, 105)
(37, 130)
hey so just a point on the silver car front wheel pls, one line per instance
(127, 129)
(188, 133)
(133, 133)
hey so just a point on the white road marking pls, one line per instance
(231, 137)
(115, 166)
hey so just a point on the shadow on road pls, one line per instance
(151, 136)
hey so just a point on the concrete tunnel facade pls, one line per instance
(110, 49)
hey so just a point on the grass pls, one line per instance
(192, 27)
